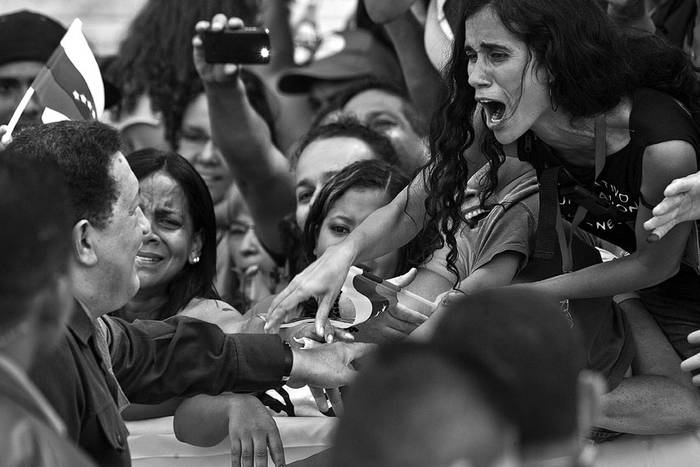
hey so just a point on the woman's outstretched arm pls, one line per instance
(386, 229)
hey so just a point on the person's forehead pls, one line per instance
(243, 217)
(485, 26)
(162, 190)
(24, 69)
(124, 178)
(358, 202)
(197, 113)
(374, 100)
(332, 154)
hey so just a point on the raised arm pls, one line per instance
(424, 83)
(293, 114)
(386, 229)
(260, 170)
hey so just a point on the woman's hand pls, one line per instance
(214, 73)
(252, 431)
(681, 203)
(693, 363)
(207, 420)
(322, 280)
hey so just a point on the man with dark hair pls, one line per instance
(415, 405)
(341, 60)
(101, 361)
(35, 303)
(387, 109)
(348, 127)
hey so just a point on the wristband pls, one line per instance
(288, 362)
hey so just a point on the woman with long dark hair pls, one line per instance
(177, 261)
(176, 266)
(548, 80)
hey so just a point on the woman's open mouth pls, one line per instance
(494, 110)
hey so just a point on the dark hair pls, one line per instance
(592, 66)
(155, 57)
(366, 174)
(415, 119)
(406, 386)
(348, 127)
(195, 280)
(525, 338)
(84, 152)
(363, 174)
(35, 238)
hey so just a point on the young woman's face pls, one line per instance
(512, 93)
(346, 214)
(318, 162)
(172, 241)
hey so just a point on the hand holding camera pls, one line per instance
(222, 44)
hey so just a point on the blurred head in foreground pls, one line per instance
(418, 405)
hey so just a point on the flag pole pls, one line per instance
(6, 138)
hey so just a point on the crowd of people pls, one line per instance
(529, 168)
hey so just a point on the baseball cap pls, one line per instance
(344, 56)
(26, 35)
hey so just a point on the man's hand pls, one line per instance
(252, 432)
(327, 365)
(693, 363)
(214, 73)
(384, 11)
(681, 203)
(303, 337)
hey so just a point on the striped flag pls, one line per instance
(363, 296)
(70, 85)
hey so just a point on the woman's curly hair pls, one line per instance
(155, 57)
(591, 64)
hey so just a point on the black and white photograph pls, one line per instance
(350, 233)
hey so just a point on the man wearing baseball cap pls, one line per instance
(342, 59)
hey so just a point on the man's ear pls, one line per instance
(196, 250)
(591, 387)
(84, 243)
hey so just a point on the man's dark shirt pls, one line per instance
(153, 361)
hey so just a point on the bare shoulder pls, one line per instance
(210, 310)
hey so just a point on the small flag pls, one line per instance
(363, 296)
(70, 85)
